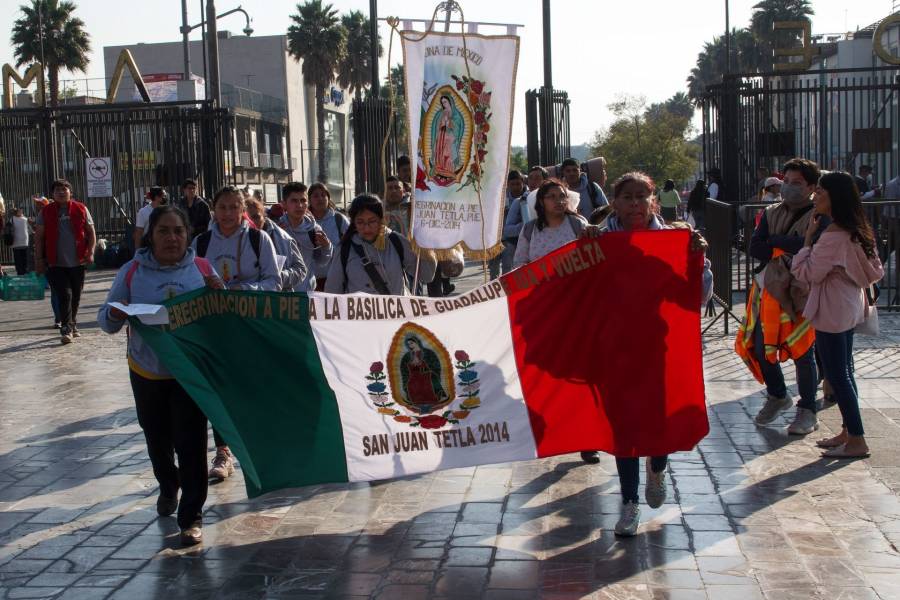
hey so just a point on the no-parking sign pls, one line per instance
(99, 177)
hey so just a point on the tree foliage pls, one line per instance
(319, 40)
(355, 68)
(66, 44)
(652, 139)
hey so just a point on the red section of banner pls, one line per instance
(607, 341)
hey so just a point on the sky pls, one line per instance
(600, 48)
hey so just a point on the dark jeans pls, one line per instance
(630, 474)
(67, 282)
(20, 257)
(807, 379)
(836, 353)
(174, 425)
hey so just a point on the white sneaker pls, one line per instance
(222, 464)
(805, 422)
(771, 409)
(629, 521)
(655, 490)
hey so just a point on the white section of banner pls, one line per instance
(411, 367)
(459, 131)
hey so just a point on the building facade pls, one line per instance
(274, 110)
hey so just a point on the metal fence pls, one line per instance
(729, 231)
(547, 124)
(147, 144)
(370, 118)
(841, 118)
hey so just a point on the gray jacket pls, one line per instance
(315, 258)
(151, 283)
(236, 263)
(388, 264)
(335, 224)
(293, 274)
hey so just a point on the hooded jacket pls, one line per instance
(388, 263)
(334, 231)
(151, 283)
(236, 263)
(316, 259)
(293, 274)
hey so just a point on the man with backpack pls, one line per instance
(591, 195)
(315, 247)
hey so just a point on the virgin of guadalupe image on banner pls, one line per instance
(460, 137)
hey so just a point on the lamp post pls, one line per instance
(210, 19)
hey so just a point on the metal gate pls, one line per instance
(370, 120)
(547, 124)
(148, 144)
(841, 118)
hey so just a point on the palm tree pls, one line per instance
(66, 44)
(318, 39)
(355, 70)
(765, 14)
(712, 61)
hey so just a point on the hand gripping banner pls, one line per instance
(464, 85)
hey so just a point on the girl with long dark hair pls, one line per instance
(838, 267)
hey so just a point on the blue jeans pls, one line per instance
(630, 474)
(836, 354)
(807, 379)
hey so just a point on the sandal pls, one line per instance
(841, 452)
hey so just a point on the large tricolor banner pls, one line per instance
(594, 347)
(460, 93)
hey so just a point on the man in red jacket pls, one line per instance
(64, 241)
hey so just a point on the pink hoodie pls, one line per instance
(837, 270)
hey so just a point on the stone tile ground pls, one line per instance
(751, 514)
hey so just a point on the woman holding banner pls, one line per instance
(634, 210)
(373, 259)
(555, 226)
(171, 421)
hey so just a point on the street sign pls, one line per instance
(99, 177)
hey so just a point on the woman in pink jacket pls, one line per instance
(838, 267)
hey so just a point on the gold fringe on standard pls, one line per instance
(451, 253)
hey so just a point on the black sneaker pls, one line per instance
(166, 507)
(191, 536)
(591, 457)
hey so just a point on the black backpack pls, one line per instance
(204, 238)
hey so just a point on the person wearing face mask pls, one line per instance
(775, 329)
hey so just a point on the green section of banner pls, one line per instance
(250, 361)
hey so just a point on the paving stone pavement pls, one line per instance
(751, 513)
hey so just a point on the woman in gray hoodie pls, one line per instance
(243, 256)
(173, 424)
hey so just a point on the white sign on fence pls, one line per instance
(99, 177)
